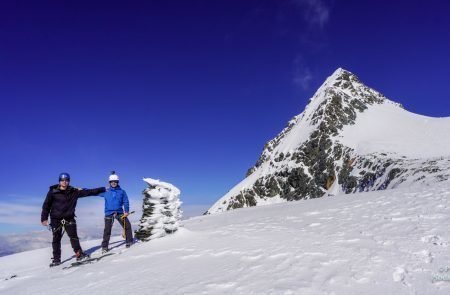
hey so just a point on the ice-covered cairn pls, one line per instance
(161, 210)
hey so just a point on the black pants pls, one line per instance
(70, 227)
(109, 220)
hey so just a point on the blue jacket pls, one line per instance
(116, 200)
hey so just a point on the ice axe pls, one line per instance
(124, 224)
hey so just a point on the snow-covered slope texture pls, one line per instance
(384, 242)
(349, 138)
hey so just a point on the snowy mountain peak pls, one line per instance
(340, 74)
(343, 74)
(343, 82)
(349, 138)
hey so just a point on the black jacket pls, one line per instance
(60, 204)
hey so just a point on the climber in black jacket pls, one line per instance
(60, 204)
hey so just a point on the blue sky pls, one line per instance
(189, 91)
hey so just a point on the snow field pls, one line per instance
(385, 242)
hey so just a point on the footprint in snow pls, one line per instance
(434, 239)
(425, 256)
(399, 274)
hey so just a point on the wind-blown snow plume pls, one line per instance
(161, 210)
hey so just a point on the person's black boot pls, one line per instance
(80, 255)
(55, 262)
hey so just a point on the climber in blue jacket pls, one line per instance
(116, 207)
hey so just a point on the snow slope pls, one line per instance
(385, 242)
(387, 128)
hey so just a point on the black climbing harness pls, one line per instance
(62, 225)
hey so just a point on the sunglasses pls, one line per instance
(65, 179)
(114, 181)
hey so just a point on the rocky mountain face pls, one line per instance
(318, 153)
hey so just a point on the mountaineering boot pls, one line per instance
(105, 250)
(55, 262)
(80, 255)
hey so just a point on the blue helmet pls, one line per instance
(64, 175)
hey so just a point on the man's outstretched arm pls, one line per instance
(90, 192)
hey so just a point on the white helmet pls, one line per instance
(113, 176)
